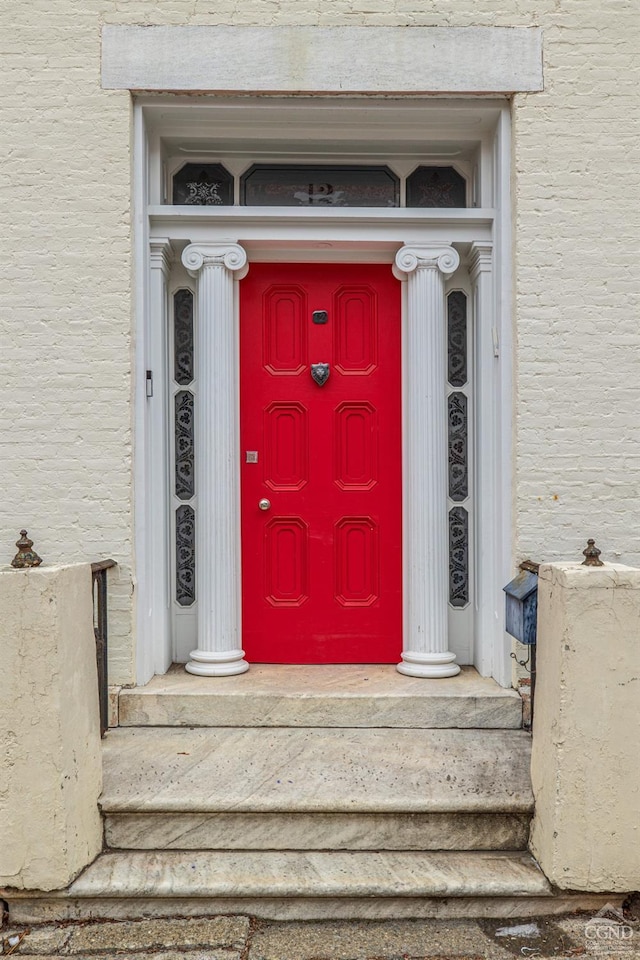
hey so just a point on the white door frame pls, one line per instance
(273, 233)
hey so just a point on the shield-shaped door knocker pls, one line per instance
(320, 373)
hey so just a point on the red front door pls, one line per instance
(322, 559)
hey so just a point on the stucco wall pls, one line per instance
(50, 763)
(586, 728)
(67, 273)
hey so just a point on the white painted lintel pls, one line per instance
(276, 225)
(308, 215)
(324, 60)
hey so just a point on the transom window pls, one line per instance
(205, 184)
(319, 185)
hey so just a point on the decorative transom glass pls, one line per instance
(318, 185)
(436, 187)
(203, 184)
(293, 185)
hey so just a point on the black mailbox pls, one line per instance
(521, 607)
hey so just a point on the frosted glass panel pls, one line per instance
(292, 185)
(436, 187)
(203, 184)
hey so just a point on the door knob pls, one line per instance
(264, 504)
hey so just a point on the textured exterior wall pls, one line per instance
(67, 273)
(586, 728)
(51, 764)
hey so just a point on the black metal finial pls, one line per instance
(592, 555)
(25, 557)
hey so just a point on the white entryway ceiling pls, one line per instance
(399, 132)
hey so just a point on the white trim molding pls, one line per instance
(219, 652)
(425, 643)
(310, 59)
(486, 365)
(157, 453)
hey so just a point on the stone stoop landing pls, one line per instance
(283, 695)
(309, 793)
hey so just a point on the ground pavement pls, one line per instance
(245, 938)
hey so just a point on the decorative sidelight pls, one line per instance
(458, 447)
(184, 453)
(185, 556)
(458, 444)
(458, 557)
(183, 337)
(184, 443)
(457, 338)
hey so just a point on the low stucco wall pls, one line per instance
(50, 766)
(586, 732)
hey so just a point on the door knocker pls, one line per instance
(320, 373)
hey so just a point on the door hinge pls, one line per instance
(149, 384)
(496, 342)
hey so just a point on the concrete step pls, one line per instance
(316, 789)
(296, 885)
(282, 695)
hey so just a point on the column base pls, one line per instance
(207, 663)
(429, 665)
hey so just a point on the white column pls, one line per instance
(217, 459)
(488, 593)
(156, 599)
(426, 579)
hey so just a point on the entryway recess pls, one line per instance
(326, 329)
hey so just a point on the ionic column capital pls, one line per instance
(160, 254)
(480, 259)
(230, 255)
(432, 256)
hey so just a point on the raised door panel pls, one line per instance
(356, 562)
(284, 330)
(356, 445)
(356, 330)
(286, 454)
(286, 562)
